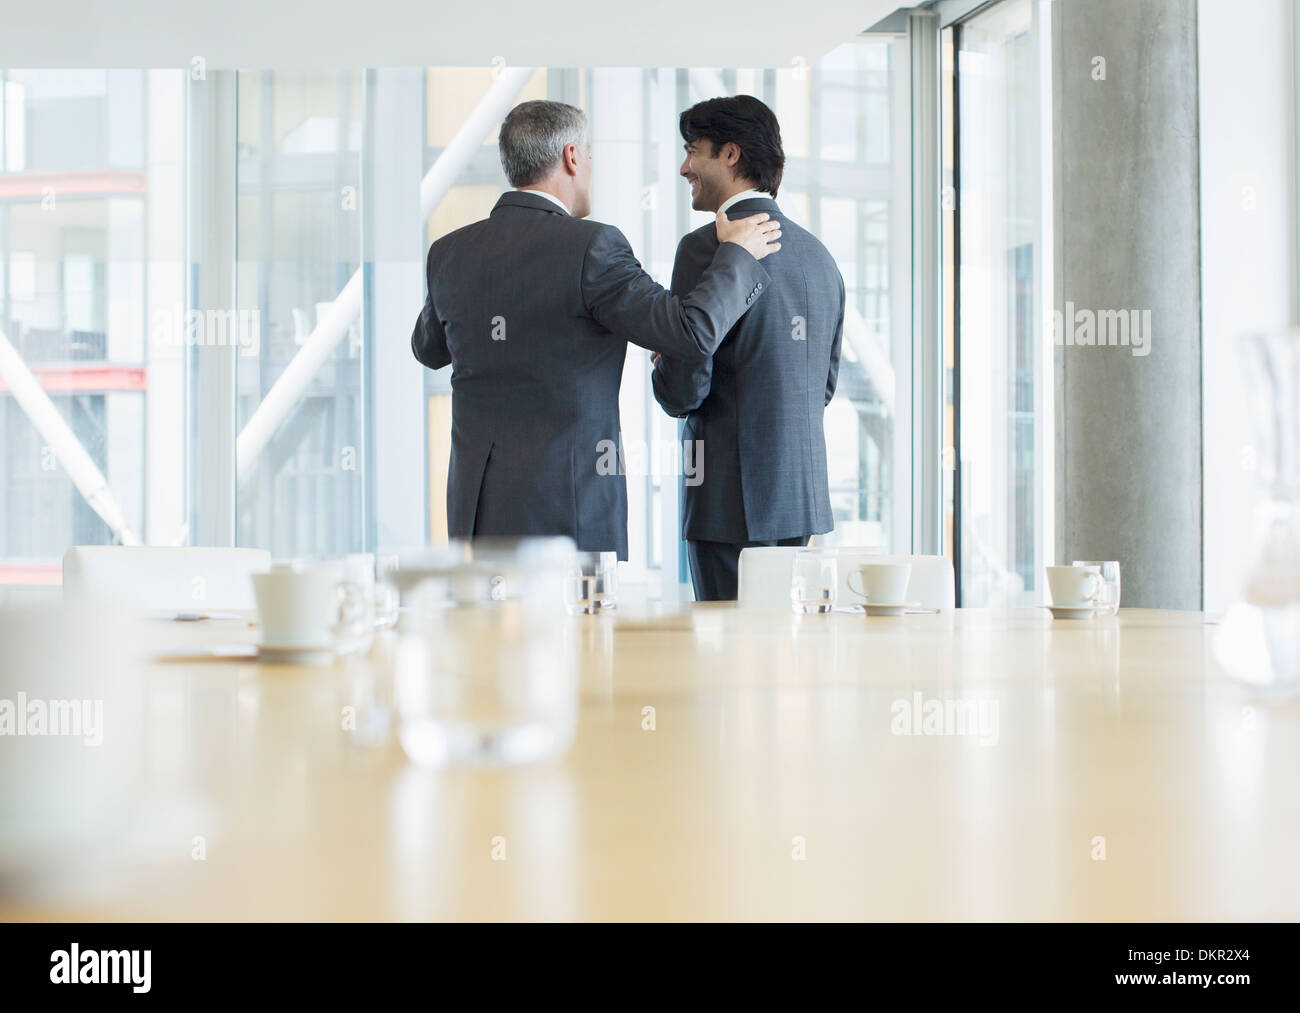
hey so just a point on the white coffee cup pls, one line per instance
(848, 558)
(1074, 586)
(881, 583)
(298, 606)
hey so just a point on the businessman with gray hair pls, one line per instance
(533, 308)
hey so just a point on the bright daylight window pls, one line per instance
(94, 212)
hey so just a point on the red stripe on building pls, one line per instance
(38, 185)
(48, 574)
(89, 378)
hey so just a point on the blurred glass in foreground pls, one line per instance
(1259, 640)
(72, 749)
(486, 667)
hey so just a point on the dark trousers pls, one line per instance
(714, 566)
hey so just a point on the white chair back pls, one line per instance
(163, 578)
(763, 576)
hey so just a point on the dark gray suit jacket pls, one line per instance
(533, 308)
(757, 405)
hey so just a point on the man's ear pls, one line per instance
(730, 154)
(569, 159)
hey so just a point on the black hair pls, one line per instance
(750, 125)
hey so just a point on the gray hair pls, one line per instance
(534, 136)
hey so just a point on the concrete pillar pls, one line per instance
(1128, 425)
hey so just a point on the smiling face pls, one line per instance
(708, 172)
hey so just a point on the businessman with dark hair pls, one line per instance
(756, 405)
(533, 309)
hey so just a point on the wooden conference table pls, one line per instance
(1113, 774)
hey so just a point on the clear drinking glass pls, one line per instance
(813, 583)
(592, 584)
(386, 596)
(354, 631)
(1108, 597)
(486, 665)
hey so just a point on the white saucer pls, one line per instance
(1071, 611)
(890, 610)
(294, 655)
(252, 652)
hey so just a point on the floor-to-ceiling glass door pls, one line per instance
(999, 242)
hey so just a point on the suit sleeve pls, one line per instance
(680, 385)
(833, 376)
(428, 339)
(624, 299)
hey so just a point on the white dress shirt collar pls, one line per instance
(743, 195)
(548, 196)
